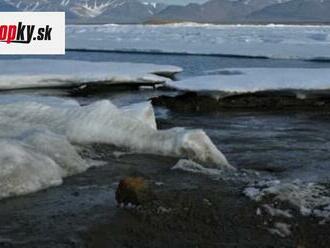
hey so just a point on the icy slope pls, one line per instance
(36, 73)
(37, 137)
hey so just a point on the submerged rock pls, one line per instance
(258, 101)
(133, 190)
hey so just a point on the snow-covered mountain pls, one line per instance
(98, 11)
(129, 11)
(215, 11)
(295, 11)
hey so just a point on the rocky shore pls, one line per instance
(193, 211)
(189, 210)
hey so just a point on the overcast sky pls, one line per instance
(181, 2)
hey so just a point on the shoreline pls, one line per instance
(191, 210)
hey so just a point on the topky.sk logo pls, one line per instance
(21, 33)
(32, 33)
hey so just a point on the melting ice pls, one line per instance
(37, 137)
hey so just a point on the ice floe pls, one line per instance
(38, 137)
(37, 73)
(258, 79)
(272, 41)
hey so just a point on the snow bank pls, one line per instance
(273, 41)
(37, 139)
(257, 79)
(37, 73)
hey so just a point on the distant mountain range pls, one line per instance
(93, 11)
(295, 11)
(213, 11)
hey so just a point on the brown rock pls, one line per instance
(133, 190)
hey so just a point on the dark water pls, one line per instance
(291, 146)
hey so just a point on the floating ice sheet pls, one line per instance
(42, 73)
(258, 79)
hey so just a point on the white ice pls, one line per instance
(37, 73)
(309, 198)
(274, 41)
(143, 112)
(241, 80)
(193, 167)
(38, 137)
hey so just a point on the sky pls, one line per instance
(179, 2)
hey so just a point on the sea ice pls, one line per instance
(42, 73)
(38, 137)
(273, 41)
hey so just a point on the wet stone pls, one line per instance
(134, 191)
